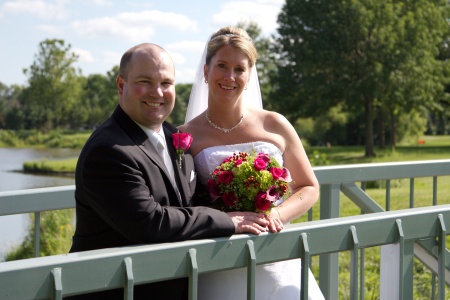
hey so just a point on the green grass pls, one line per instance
(66, 166)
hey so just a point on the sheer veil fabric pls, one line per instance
(198, 100)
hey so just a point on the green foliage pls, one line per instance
(67, 166)
(55, 236)
(363, 54)
(35, 138)
(318, 159)
(179, 111)
(99, 99)
(54, 88)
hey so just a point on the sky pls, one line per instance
(100, 31)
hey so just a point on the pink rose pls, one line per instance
(261, 202)
(225, 177)
(229, 199)
(259, 164)
(182, 141)
(263, 156)
(276, 172)
(272, 194)
(286, 175)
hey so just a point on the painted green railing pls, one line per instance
(418, 231)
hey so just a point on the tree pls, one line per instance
(99, 98)
(11, 113)
(362, 53)
(178, 114)
(265, 63)
(54, 85)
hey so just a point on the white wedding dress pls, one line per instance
(279, 280)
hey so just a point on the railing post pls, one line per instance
(37, 233)
(441, 257)
(329, 263)
(396, 267)
(354, 265)
(305, 257)
(128, 291)
(56, 272)
(193, 274)
(251, 271)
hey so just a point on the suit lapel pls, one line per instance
(141, 139)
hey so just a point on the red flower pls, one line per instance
(259, 164)
(261, 202)
(264, 156)
(229, 199)
(182, 142)
(214, 190)
(225, 177)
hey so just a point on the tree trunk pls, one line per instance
(382, 129)
(368, 105)
(393, 129)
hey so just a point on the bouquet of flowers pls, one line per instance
(249, 182)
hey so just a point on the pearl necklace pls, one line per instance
(224, 130)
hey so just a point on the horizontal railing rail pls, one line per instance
(56, 276)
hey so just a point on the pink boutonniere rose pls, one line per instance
(182, 142)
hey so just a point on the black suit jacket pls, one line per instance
(124, 195)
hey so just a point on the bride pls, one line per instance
(225, 116)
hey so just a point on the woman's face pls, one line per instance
(228, 73)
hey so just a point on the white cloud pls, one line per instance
(188, 46)
(42, 9)
(84, 55)
(50, 29)
(263, 12)
(103, 2)
(111, 58)
(133, 26)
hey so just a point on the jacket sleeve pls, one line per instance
(125, 192)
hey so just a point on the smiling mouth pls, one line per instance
(152, 104)
(229, 88)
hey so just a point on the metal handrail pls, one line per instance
(75, 273)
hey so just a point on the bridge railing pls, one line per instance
(56, 276)
(334, 180)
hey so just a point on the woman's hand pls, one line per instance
(249, 222)
(275, 225)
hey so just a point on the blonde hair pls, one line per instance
(234, 37)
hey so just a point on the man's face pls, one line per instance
(147, 94)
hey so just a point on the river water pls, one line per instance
(14, 228)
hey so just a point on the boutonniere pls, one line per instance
(181, 142)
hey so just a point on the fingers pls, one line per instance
(249, 222)
(275, 225)
(256, 223)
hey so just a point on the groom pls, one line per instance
(126, 195)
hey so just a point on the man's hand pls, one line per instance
(250, 222)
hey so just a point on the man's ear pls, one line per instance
(119, 84)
